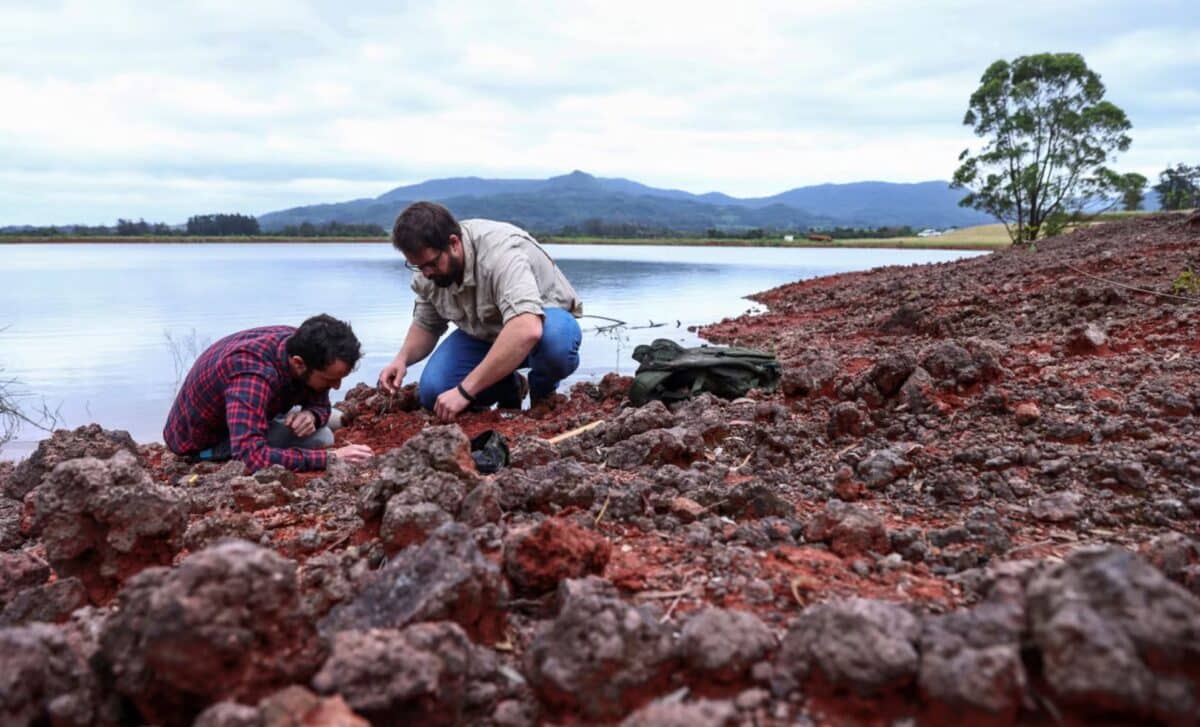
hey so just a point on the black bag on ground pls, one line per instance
(669, 372)
(490, 451)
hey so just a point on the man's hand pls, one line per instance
(302, 423)
(392, 376)
(449, 404)
(353, 453)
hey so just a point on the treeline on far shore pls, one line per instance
(206, 226)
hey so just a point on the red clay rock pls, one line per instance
(538, 559)
(226, 624)
(1027, 413)
(104, 520)
(87, 441)
(849, 530)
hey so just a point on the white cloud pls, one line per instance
(128, 109)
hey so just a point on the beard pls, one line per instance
(444, 281)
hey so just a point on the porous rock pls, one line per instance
(227, 623)
(403, 525)
(536, 559)
(104, 520)
(676, 445)
(446, 578)
(863, 645)
(1116, 637)
(49, 602)
(20, 570)
(44, 679)
(701, 713)
(722, 645)
(601, 656)
(428, 673)
(87, 441)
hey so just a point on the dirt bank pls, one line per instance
(974, 499)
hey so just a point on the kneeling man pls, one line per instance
(262, 396)
(511, 305)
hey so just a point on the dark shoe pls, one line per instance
(522, 392)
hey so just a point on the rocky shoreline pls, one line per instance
(975, 498)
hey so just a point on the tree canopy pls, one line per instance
(1178, 187)
(1048, 135)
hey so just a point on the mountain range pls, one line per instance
(572, 200)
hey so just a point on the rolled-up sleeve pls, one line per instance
(515, 286)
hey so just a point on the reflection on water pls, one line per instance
(88, 325)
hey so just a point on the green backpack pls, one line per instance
(669, 372)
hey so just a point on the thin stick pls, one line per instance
(1190, 299)
(603, 509)
(575, 432)
(671, 610)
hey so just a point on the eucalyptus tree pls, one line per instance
(1048, 133)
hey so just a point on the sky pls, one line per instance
(164, 110)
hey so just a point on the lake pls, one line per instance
(104, 332)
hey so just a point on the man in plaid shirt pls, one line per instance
(240, 399)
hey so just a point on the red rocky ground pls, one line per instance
(974, 499)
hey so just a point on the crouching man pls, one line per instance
(262, 396)
(510, 303)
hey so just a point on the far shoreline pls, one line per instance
(898, 243)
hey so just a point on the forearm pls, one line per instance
(512, 347)
(418, 344)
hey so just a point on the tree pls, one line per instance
(1178, 188)
(1049, 133)
(1133, 191)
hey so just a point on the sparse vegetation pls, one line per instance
(1187, 283)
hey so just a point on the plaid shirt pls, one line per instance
(234, 390)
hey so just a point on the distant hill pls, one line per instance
(572, 200)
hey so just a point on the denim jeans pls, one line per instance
(281, 435)
(553, 359)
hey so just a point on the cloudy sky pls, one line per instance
(163, 110)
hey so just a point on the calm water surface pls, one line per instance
(89, 327)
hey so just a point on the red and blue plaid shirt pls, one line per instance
(234, 390)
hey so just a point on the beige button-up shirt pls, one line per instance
(506, 273)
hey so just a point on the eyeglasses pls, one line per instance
(428, 266)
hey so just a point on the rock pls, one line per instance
(429, 674)
(405, 525)
(11, 537)
(330, 578)
(883, 467)
(849, 530)
(20, 570)
(1085, 339)
(446, 578)
(971, 660)
(864, 645)
(220, 526)
(1058, 507)
(722, 645)
(636, 420)
(44, 680)
(686, 509)
(229, 714)
(908, 318)
(252, 493)
(916, 394)
(1117, 638)
(813, 376)
(601, 656)
(531, 451)
(295, 706)
(226, 623)
(702, 713)
(657, 447)
(890, 372)
(104, 520)
(434, 465)
(49, 602)
(753, 500)
(950, 362)
(481, 505)
(1178, 556)
(538, 558)
(1027, 413)
(61, 446)
(846, 419)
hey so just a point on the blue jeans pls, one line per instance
(553, 359)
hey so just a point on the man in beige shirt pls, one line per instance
(511, 305)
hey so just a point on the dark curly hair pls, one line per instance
(424, 225)
(323, 339)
